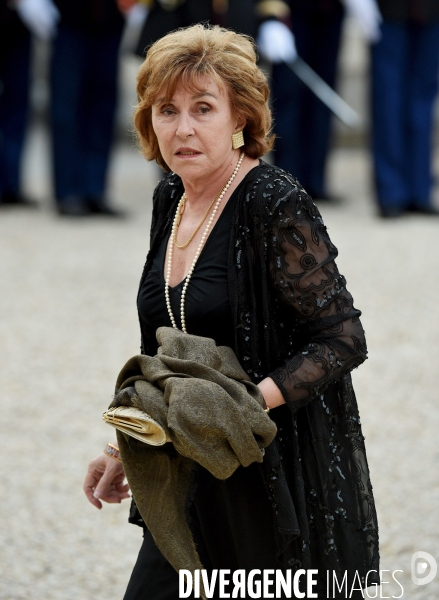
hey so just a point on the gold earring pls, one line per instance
(237, 140)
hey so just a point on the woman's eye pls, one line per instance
(167, 111)
(204, 109)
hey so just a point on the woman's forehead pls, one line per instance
(195, 86)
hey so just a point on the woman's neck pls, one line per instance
(201, 191)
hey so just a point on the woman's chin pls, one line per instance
(188, 165)
(189, 156)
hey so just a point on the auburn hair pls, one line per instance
(187, 55)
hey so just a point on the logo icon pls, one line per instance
(423, 567)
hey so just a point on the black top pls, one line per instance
(293, 319)
(207, 307)
(231, 520)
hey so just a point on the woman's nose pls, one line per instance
(184, 126)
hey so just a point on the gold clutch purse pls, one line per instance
(136, 423)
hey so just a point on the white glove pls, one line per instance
(368, 15)
(40, 16)
(276, 42)
(137, 15)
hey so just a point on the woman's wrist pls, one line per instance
(112, 450)
(272, 395)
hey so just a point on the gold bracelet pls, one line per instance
(113, 452)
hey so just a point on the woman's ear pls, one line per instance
(241, 122)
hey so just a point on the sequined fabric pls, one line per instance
(295, 321)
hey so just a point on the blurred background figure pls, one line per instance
(166, 15)
(17, 21)
(84, 73)
(311, 29)
(405, 65)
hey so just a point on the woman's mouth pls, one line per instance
(187, 153)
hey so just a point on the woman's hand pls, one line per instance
(105, 481)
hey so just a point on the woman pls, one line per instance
(240, 254)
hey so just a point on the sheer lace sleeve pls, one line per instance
(306, 279)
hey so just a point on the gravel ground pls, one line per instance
(68, 323)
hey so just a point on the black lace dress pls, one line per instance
(294, 320)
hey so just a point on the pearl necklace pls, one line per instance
(197, 253)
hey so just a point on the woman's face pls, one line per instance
(194, 130)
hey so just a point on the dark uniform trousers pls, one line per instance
(14, 94)
(302, 121)
(84, 73)
(405, 66)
